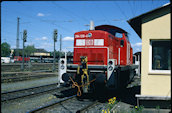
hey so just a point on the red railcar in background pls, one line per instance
(20, 59)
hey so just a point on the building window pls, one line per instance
(161, 55)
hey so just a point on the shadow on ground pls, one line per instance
(126, 95)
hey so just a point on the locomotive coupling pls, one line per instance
(82, 71)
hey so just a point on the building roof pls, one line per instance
(41, 51)
(136, 22)
(137, 53)
(37, 50)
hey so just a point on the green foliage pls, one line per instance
(5, 49)
(157, 107)
(137, 109)
(29, 50)
(57, 53)
(110, 105)
(15, 52)
(112, 102)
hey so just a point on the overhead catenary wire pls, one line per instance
(131, 9)
(30, 22)
(134, 7)
(122, 12)
(41, 20)
(100, 11)
(34, 28)
(72, 14)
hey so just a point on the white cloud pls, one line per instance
(13, 46)
(45, 45)
(68, 38)
(37, 38)
(43, 38)
(138, 49)
(29, 43)
(138, 44)
(40, 14)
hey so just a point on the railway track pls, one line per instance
(22, 78)
(13, 67)
(69, 104)
(17, 94)
(84, 109)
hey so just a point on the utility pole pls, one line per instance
(60, 43)
(24, 40)
(17, 41)
(60, 46)
(55, 40)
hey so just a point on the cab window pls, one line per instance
(126, 35)
(118, 35)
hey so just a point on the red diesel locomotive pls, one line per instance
(102, 58)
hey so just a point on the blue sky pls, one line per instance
(40, 18)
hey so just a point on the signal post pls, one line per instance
(24, 40)
(55, 40)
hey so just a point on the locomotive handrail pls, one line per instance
(96, 67)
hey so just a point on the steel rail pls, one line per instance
(87, 107)
(22, 78)
(27, 95)
(27, 88)
(49, 105)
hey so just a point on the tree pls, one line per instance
(29, 50)
(5, 49)
(58, 53)
(15, 52)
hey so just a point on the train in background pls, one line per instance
(18, 59)
(40, 59)
(103, 58)
(34, 59)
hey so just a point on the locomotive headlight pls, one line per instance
(110, 62)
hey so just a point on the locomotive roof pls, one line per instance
(109, 27)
